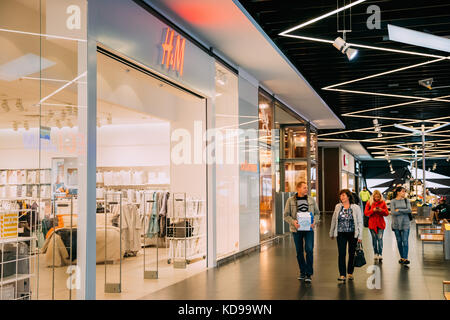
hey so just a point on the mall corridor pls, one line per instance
(272, 274)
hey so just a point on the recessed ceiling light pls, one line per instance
(5, 105)
(19, 105)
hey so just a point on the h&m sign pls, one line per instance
(173, 47)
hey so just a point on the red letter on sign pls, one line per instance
(167, 47)
(178, 56)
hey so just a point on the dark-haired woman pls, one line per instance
(347, 228)
(400, 209)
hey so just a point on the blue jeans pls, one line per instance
(306, 267)
(402, 242)
(377, 241)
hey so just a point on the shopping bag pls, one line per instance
(359, 260)
(304, 219)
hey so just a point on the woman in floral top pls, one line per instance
(347, 227)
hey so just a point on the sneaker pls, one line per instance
(375, 257)
(406, 261)
(350, 277)
(401, 261)
(308, 279)
(341, 278)
(380, 257)
(301, 277)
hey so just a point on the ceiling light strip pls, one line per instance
(384, 73)
(63, 87)
(343, 140)
(383, 118)
(368, 47)
(385, 107)
(377, 94)
(322, 17)
(48, 79)
(43, 35)
(409, 143)
(384, 126)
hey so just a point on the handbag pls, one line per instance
(359, 260)
(366, 221)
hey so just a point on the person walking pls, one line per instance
(400, 210)
(364, 195)
(347, 228)
(304, 240)
(376, 209)
(355, 197)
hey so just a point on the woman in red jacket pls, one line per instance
(376, 209)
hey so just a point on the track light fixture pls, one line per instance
(19, 105)
(5, 105)
(344, 48)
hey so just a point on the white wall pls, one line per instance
(133, 145)
(249, 181)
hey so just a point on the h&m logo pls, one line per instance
(173, 51)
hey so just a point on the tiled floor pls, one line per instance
(134, 286)
(271, 274)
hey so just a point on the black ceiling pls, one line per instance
(323, 65)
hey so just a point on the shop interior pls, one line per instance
(150, 219)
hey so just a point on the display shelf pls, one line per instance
(25, 184)
(186, 238)
(134, 185)
(14, 278)
(18, 239)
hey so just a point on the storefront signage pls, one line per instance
(345, 160)
(9, 225)
(66, 19)
(173, 51)
(249, 167)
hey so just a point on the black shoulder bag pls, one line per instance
(359, 260)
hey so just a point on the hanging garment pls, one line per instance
(153, 228)
(164, 200)
(130, 228)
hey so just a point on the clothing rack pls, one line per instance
(113, 198)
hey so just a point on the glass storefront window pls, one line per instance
(44, 135)
(148, 174)
(295, 172)
(295, 141)
(267, 218)
(227, 171)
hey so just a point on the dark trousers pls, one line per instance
(306, 239)
(343, 239)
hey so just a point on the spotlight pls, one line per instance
(426, 83)
(5, 105)
(343, 47)
(379, 135)
(19, 105)
(375, 122)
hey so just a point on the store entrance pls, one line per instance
(151, 184)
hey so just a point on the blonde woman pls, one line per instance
(376, 209)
